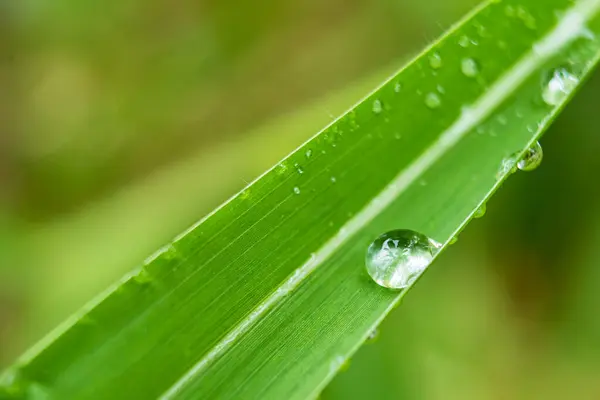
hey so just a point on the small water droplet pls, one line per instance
(333, 179)
(441, 89)
(469, 67)
(398, 136)
(296, 190)
(435, 60)
(308, 153)
(464, 41)
(397, 258)
(508, 166)
(502, 119)
(532, 158)
(299, 168)
(339, 363)
(373, 336)
(480, 211)
(281, 168)
(432, 100)
(245, 194)
(377, 107)
(559, 86)
(453, 240)
(398, 87)
(481, 30)
(143, 277)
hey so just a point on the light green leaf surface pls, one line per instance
(266, 297)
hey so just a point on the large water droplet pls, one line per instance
(469, 67)
(532, 158)
(396, 258)
(377, 106)
(433, 100)
(560, 85)
(435, 60)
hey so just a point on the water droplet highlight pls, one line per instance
(532, 158)
(435, 61)
(377, 107)
(396, 259)
(398, 87)
(469, 67)
(299, 168)
(559, 86)
(308, 153)
(432, 100)
(296, 190)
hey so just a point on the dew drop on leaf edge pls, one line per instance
(373, 336)
(396, 259)
(480, 211)
(532, 159)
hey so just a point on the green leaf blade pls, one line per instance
(268, 295)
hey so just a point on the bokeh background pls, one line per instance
(123, 122)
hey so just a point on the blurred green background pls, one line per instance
(123, 122)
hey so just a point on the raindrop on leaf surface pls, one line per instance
(432, 100)
(464, 41)
(377, 107)
(469, 67)
(435, 60)
(396, 259)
